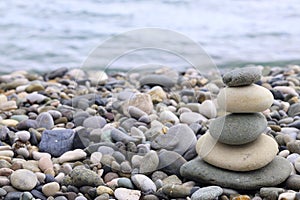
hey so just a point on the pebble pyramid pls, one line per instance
(235, 152)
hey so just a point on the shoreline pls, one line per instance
(98, 135)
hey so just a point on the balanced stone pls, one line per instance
(242, 76)
(237, 129)
(271, 175)
(251, 156)
(246, 99)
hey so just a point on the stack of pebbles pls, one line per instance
(235, 152)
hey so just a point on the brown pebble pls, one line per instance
(275, 128)
(241, 197)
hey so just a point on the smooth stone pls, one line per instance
(104, 189)
(24, 136)
(149, 163)
(207, 193)
(4, 181)
(77, 154)
(13, 196)
(135, 112)
(294, 110)
(270, 192)
(242, 76)
(140, 100)
(27, 124)
(50, 189)
(35, 98)
(125, 182)
(295, 124)
(34, 87)
(9, 105)
(45, 163)
(167, 116)
(170, 162)
(96, 157)
(237, 129)
(143, 183)
(94, 122)
(104, 150)
(271, 175)
(57, 73)
(7, 153)
(294, 146)
(81, 176)
(45, 120)
(57, 142)
(2, 192)
(192, 117)
(293, 182)
(176, 191)
(38, 155)
(179, 138)
(79, 117)
(125, 194)
(23, 179)
(9, 122)
(246, 99)
(208, 109)
(290, 195)
(239, 157)
(120, 136)
(156, 79)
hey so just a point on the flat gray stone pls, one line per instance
(271, 175)
(206, 193)
(237, 129)
(161, 80)
(242, 76)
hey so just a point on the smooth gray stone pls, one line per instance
(13, 196)
(271, 175)
(242, 76)
(237, 129)
(57, 142)
(120, 136)
(205, 193)
(294, 110)
(161, 80)
(45, 120)
(94, 122)
(170, 162)
(179, 138)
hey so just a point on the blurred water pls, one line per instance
(48, 34)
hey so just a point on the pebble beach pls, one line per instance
(75, 134)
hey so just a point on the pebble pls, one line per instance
(45, 120)
(237, 129)
(191, 117)
(242, 76)
(207, 193)
(45, 163)
(179, 138)
(125, 194)
(57, 142)
(94, 122)
(170, 162)
(149, 163)
(77, 154)
(208, 109)
(157, 94)
(157, 80)
(240, 157)
(270, 192)
(21, 176)
(140, 100)
(287, 196)
(50, 189)
(294, 110)
(96, 157)
(81, 176)
(167, 116)
(271, 175)
(293, 182)
(247, 99)
(176, 191)
(144, 183)
(103, 189)
(24, 136)
(294, 146)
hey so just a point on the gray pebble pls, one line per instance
(45, 120)
(242, 77)
(94, 122)
(207, 193)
